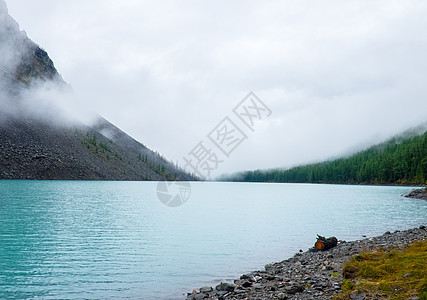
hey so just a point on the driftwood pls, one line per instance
(323, 243)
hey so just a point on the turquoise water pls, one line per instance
(109, 240)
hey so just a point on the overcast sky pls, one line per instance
(337, 75)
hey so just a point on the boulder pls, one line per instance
(293, 289)
(225, 286)
(206, 289)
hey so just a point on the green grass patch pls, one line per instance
(387, 273)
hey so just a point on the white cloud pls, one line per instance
(336, 74)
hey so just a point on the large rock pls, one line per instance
(206, 289)
(417, 194)
(225, 286)
(293, 289)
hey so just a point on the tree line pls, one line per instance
(398, 161)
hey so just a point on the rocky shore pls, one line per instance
(417, 194)
(307, 275)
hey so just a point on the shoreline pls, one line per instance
(417, 194)
(333, 183)
(306, 275)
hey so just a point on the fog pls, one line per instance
(23, 95)
(337, 76)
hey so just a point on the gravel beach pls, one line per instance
(307, 275)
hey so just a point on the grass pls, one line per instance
(387, 274)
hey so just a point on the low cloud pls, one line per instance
(28, 88)
(337, 75)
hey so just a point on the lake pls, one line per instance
(109, 240)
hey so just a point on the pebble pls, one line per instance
(307, 275)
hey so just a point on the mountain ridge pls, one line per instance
(44, 145)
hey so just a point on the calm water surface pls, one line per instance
(80, 240)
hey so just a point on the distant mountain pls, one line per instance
(401, 160)
(37, 145)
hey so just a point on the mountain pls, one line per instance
(39, 141)
(401, 160)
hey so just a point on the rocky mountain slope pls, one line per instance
(37, 146)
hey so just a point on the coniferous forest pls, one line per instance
(397, 161)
